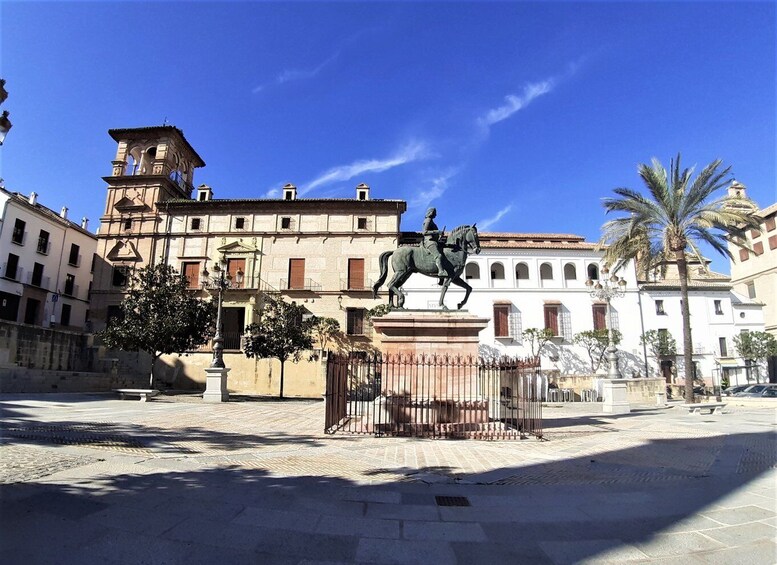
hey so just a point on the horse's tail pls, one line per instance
(384, 257)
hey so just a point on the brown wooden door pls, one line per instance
(501, 327)
(356, 274)
(600, 316)
(297, 274)
(551, 319)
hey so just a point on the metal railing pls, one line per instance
(41, 281)
(365, 284)
(307, 284)
(451, 397)
(232, 341)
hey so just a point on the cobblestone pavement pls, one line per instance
(177, 480)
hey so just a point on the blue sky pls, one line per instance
(520, 116)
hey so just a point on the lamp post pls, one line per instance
(216, 374)
(615, 391)
(613, 287)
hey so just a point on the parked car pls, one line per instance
(759, 391)
(732, 390)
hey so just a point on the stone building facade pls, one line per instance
(322, 253)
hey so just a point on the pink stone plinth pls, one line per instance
(423, 332)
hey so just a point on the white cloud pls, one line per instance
(412, 151)
(436, 188)
(273, 193)
(290, 75)
(514, 103)
(484, 225)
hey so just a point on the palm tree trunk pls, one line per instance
(685, 310)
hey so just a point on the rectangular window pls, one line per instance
(11, 267)
(751, 290)
(744, 255)
(236, 268)
(43, 242)
(773, 242)
(195, 224)
(286, 223)
(37, 275)
(660, 308)
(551, 318)
(240, 223)
(723, 347)
(361, 223)
(356, 274)
(18, 232)
(355, 321)
(600, 316)
(297, 274)
(64, 318)
(70, 284)
(120, 275)
(718, 308)
(770, 224)
(127, 225)
(758, 248)
(501, 320)
(114, 314)
(74, 258)
(191, 271)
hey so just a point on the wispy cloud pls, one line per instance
(290, 75)
(411, 151)
(514, 102)
(435, 189)
(484, 225)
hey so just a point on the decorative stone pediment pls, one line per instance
(237, 247)
(124, 251)
(130, 205)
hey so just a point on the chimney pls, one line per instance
(289, 192)
(84, 222)
(63, 213)
(363, 192)
(33, 198)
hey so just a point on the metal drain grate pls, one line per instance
(452, 500)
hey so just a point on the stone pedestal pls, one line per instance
(216, 385)
(616, 397)
(425, 332)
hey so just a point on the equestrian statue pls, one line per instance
(438, 257)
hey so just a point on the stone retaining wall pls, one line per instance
(20, 379)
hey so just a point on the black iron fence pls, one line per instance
(434, 396)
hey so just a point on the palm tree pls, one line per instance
(671, 221)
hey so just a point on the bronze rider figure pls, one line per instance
(432, 242)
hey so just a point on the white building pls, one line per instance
(525, 281)
(46, 264)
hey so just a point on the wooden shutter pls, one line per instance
(600, 316)
(501, 316)
(297, 274)
(233, 266)
(551, 318)
(356, 274)
(192, 273)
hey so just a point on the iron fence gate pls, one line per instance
(433, 396)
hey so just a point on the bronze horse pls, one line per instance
(415, 259)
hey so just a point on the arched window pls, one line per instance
(546, 272)
(570, 272)
(593, 271)
(522, 271)
(497, 271)
(472, 271)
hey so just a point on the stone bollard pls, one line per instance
(661, 399)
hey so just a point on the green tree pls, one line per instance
(661, 345)
(595, 342)
(537, 339)
(675, 217)
(325, 329)
(159, 315)
(282, 332)
(756, 347)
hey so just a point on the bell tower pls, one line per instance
(151, 165)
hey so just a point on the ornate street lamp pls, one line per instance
(613, 287)
(216, 374)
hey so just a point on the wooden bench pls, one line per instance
(143, 393)
(713, 407)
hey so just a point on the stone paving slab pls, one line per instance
(176, 480)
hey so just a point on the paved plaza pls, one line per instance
(88, 478)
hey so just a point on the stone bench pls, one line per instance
(713, 407)
(143, 393)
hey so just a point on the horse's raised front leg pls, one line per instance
(458, 281)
